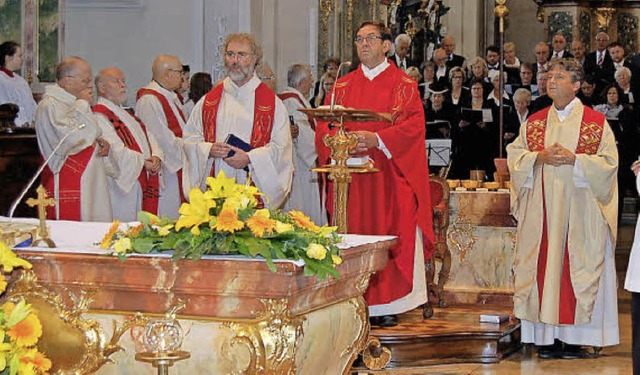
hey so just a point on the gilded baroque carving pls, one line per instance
(271, 339)
(603, 17)
(75, 345)
(375, 356)
(461, 235)
(358, 344)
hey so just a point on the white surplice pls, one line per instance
(149, 110)
(124, 189)
(16, 90)
(305, 192)
(58, 114)
(271, 166)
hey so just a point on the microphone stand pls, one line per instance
(37, 174)
(333, 89)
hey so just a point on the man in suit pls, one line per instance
(453, 60)
(578, 51)
(442, 70)
(616, 50)
(599, 62)
(400, 57)
(541, 51)
(492, 57)
(558, 44)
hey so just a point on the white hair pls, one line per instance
(297, 73)
(404, 37)
(621, 70)
(522, 94)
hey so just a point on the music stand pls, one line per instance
(341, 144)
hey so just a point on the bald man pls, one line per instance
(77, 173)
(453, 60)
(136, 152)
(442, 70)
(161, 111)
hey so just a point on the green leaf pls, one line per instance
(143, 245)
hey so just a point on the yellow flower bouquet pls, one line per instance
(20, 328)
(225, 219)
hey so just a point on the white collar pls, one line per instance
(299, 94)
(59, 93)
(374, 72)
(248, 88)
(562, 114)
(157, 87)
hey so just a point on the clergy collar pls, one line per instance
(374, 72)
(108, 103)
(232, 89)
(563, 113)
(6, 71)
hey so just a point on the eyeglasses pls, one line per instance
(269, 78)
(176, 70)
(602, 40)
(369, 38)
(240, 55)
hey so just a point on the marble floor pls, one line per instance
(613, 360)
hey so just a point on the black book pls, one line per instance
(234, 140)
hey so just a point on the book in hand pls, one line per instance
(234, 140)
(475, 116)
(495, 318)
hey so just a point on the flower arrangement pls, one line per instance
(226, 219)
(20, 328)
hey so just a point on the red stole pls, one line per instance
(263, 115)
(172, 121)
(288, 95)
(6, 71)
(69, 185)
(149, 183)
(591, 130)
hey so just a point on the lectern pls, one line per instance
(341, 144)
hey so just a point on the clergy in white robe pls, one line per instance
(564, 195)
(243, 106)
(14, 88)
(305, 190)
(77, 173)
(160, 110)
(139, 159)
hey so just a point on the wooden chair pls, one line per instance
(440, 206)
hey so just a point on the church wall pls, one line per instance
(130, 38)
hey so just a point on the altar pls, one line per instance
(239, 317)
(481, 238)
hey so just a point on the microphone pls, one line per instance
(333, 89)
(35, 176)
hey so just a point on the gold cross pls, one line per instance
(42, 202)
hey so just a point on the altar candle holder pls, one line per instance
(162, 339)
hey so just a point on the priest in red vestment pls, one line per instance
(395, 200)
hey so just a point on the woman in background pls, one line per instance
(14, 88)
(200, 85)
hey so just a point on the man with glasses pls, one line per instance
(599, 63)
(77, 174)
(241, 127)
(395, 200)
(160, 109)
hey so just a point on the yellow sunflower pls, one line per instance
(228, 220)
(38, 360)
(26, 332)
(261, 223)
(303, 221)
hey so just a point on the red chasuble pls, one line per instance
(263, 116)
(172, 121)
(591, 129)
(149, 183)
(69, 185)
(395, 200)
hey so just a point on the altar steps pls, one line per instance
(453, 335)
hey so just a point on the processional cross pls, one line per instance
(42, 202)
